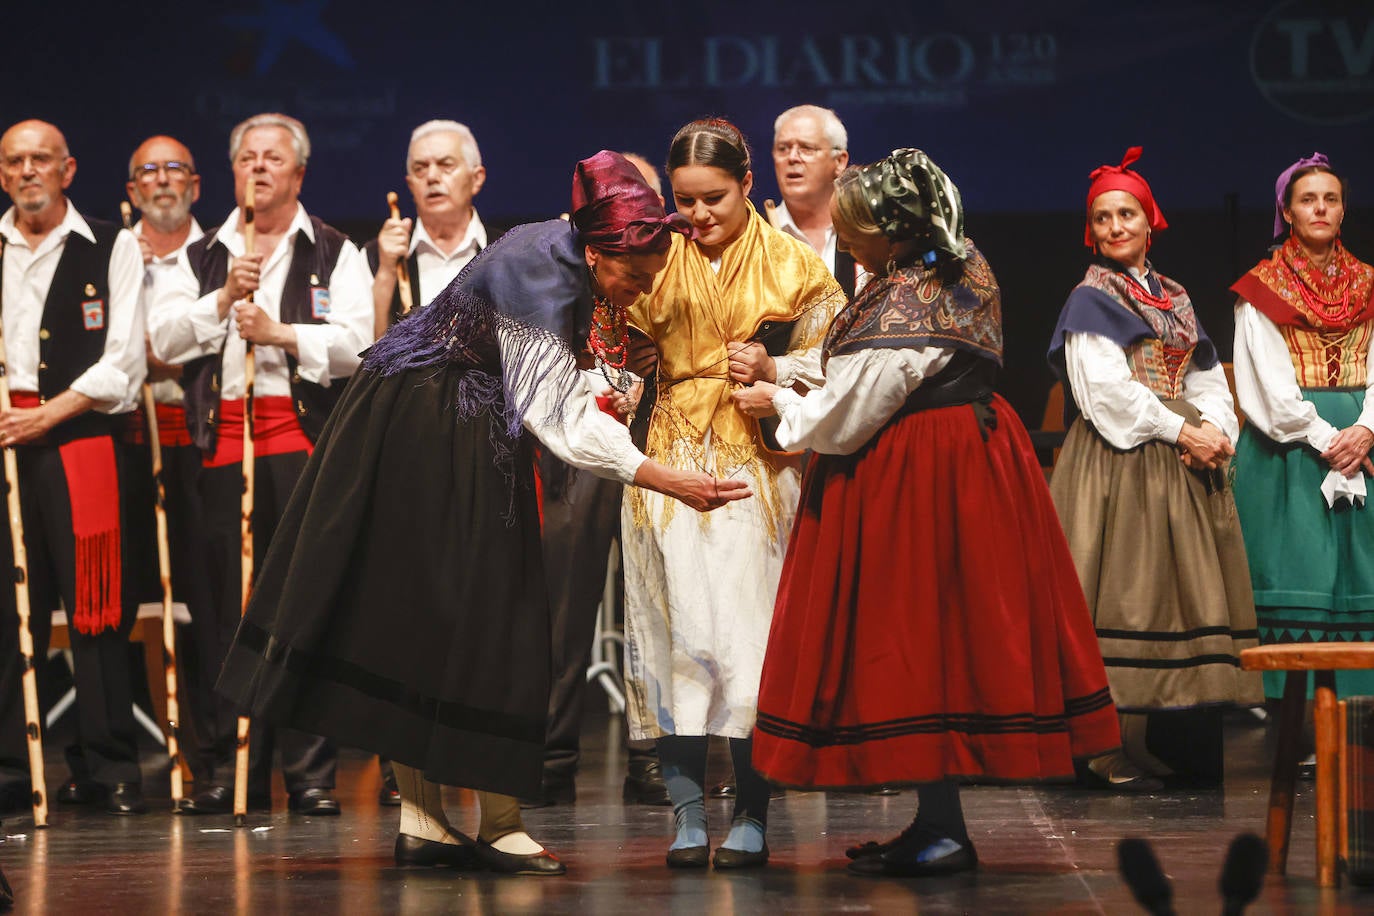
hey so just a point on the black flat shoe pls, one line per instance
(727, 858)
(723, 790)
(412, 851)
(688, 857)
(875, 848)
(314, 803)
(541, 864)
(125, 798)
(81, 792)
(903, 861)
(644, 784)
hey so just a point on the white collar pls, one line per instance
(229, 236)
(476, 234)
(72, 221)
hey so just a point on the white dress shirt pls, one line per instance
(1267, 389)
(184, 325)
(862, 391)
(115, 379)
(575, 430)
(1126, 412)
(828, 250)
(437, 269)
(157, 273)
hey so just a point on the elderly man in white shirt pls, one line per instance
(810, 150)
(444, 173)
(301, 297)
(73, 333)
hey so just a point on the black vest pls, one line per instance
(844, 272)
(76, 317)
(312, 264)
(413, 263)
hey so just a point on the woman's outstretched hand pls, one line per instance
(757, 399)
(695, 489)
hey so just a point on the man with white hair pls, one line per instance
(444, 173)
(810, 150)
(301, 297)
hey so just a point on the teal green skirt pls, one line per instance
(1312, 567)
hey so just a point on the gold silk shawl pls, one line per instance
(765, 276)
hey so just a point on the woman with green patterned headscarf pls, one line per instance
(929, 624)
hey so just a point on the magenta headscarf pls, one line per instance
(616, 212)
(1120, 178)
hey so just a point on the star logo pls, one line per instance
(281, 22)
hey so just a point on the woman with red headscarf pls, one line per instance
(1304, 322)
(1141, 486)
(402, 607)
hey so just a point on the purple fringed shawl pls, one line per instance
(534, 284)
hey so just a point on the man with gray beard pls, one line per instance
(163, 185)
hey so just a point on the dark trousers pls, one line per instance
(307, 761)
(581, 517)
(186, 555)
(105, 748)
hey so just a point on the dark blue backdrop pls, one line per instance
(1018, 101)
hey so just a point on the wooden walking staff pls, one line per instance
(29, 682)
(246, 516)
(164, 569)
(402, 268)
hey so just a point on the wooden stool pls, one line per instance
(1324, 659)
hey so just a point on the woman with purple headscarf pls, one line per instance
(402, 607)
(1304, 319)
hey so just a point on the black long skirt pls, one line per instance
(401, 607)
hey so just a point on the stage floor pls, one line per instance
(1046, 849)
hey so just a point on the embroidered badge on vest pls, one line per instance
(319, 302)
(93, 314)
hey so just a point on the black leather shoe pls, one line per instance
(875, 848)
(1116, 777)
(542, 864)
(903, 860)
(314, 802)
(214, 800)
(389, 796)
(81, 792)
(125, 798)
(723, 790)
(220, 800)
(412, 851)
(644, 784)
(688, 857)
(727, 858)
(884, 791)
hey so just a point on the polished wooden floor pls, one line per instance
(1044, 850)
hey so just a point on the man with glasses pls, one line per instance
(301, 297)
(810, 150)
(73, 332)
(444, 173)
(163, 185)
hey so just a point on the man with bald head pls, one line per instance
(163, 185)
(301, 296)
(444, 172)
(73, 331)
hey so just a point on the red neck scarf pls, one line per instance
(1289, 290)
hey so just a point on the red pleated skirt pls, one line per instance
(930, 622)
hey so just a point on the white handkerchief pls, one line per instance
(1337, 486)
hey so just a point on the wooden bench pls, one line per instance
(1323, 659)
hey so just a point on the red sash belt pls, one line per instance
(276, 431)
(171, 427)
(93, 489)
